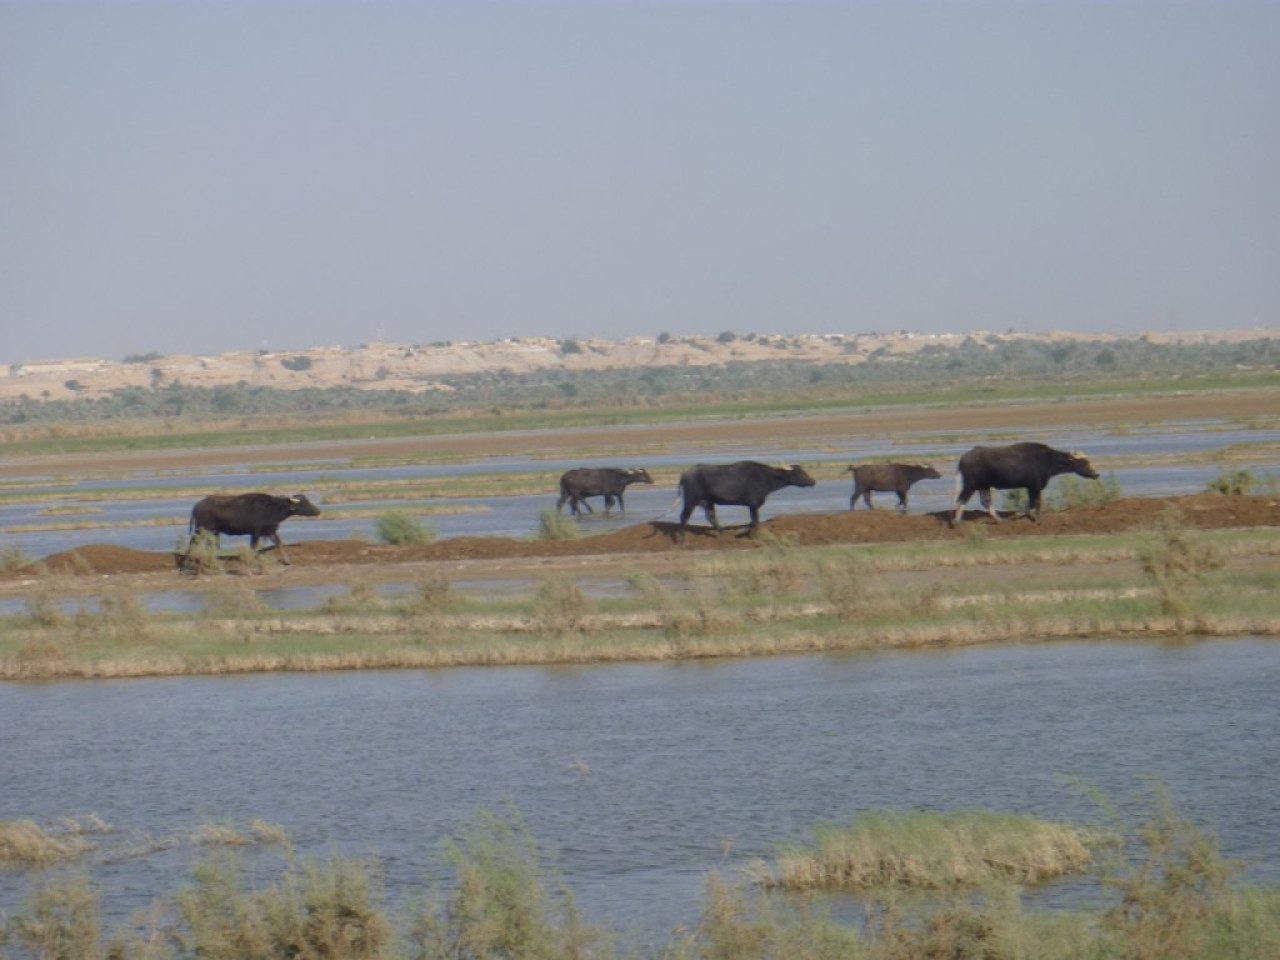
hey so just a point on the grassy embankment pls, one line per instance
(933, 885)
(179, 433)
(1168, 581)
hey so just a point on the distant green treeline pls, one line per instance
(972, 363)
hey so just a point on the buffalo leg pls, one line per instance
(710, 510)
(278, 544)
(685, 514)
(902, 501)
(985, 496)
(1033, 502)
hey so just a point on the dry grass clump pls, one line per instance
(229, 835)
(560, 606)
(362, 596)
(232, 598)
(1177, 558)
(117, 617)
(23, 843)
(199, 555)
(13, 558)
(933, 850)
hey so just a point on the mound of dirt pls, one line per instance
(1204, 511)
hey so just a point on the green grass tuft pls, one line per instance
(402, 529)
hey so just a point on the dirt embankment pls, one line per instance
(336, 561)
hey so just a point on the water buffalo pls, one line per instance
(742, 484)
(888, 477)
(608, 482)
(252, 515)
(1028, 466)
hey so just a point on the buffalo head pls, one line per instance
(1081, 465)
(302, 507)
(797, 477)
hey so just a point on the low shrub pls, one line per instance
(401, 529)
(1232, 483)
(506, 902)
(559, 606)
(232, 598)
(556, 526)
(1176, 559)
(1071, 491)
(119, 617)
(431, 594)
(329, 909)
(12, 558)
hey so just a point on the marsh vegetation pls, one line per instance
(929, 886)
(1169, 580)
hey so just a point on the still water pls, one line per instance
(641, 778)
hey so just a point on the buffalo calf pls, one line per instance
(888, 477)
(608, 482)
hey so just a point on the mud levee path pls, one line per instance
(651, 546)
(654, 546)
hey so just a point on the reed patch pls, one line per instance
(932, 850)
(1164, 891)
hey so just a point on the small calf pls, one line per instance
(888, 477)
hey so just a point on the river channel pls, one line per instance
(640, 779)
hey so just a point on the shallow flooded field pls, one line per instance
(150, 510)
(641, 779)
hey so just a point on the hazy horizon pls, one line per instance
(214, 176)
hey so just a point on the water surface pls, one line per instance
(640, 777)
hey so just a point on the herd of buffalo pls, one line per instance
(1018, 466)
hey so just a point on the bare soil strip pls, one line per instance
(824, 428)
(341, 561)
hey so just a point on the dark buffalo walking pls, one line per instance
(253, 515)
(889, 478)
(1028, 466)
(608, 482)
(742, 484)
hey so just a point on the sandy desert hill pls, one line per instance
(414, 367)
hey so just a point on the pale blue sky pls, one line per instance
(200, 177)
